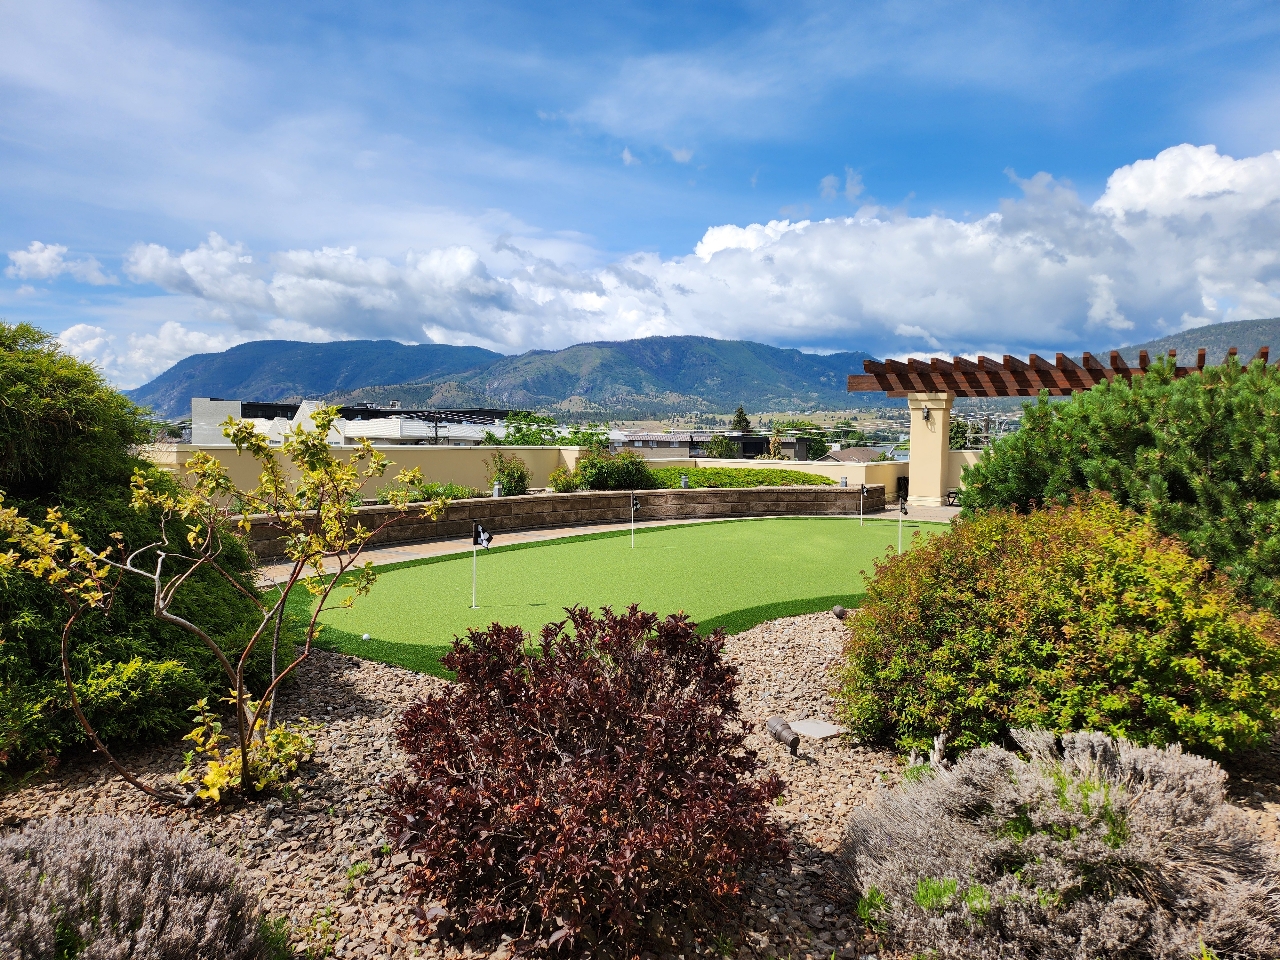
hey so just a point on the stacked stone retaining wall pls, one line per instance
(582, 509)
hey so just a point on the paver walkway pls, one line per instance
(380, 556)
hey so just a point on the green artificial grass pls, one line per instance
(732, 574)
(722, 477)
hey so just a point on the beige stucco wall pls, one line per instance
(956, 462)
(463, 465)
(466, 465)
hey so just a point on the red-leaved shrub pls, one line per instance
(590, 796)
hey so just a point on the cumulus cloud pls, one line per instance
(46, 261)
(1188, 237)
(628, 158)
(137, 357)
(680, 154)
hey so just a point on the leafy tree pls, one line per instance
(1200, 454)
(740, 421)
(959, 438)
(310, 495)
(593, 436)
(817, 445)
(720, 447)
(526, 430)
(67, 442)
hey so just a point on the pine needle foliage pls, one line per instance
(1200, 455)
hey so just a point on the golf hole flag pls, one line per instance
(480, 536)
(635, 504)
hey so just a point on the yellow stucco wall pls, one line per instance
(462, 465)
(466, 465)
(957, 461)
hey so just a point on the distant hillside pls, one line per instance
(285, 369)
(1216, 338)
(655, 376)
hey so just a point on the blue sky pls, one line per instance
(179, 178)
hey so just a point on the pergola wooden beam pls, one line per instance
(1010, 378)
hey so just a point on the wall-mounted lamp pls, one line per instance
(924, 414)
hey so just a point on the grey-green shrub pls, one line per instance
(1094, 848)
(102, 888)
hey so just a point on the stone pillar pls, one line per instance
(930, 448)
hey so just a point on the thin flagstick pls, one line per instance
(473, 573)
(633, 521)
(862, 496)
(899, 532)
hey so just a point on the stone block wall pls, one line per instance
(593, 507)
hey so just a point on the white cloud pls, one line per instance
(627, 157)
(829, 186)
(1190, 234)
(680, 154)
(852, 184)
(41, 261)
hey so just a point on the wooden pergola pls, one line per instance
(1010, 377)
(935, 470)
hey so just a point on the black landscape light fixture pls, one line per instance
(781, 731)
(684, 481)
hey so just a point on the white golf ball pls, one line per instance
(365, 637)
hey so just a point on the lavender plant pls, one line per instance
(102, 888)
(1094, 847)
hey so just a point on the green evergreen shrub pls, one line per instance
(67, 439)
(563, 481)
(1070, 617)
(625, 470)
(1200, 455)
(122, 887)
(725, 477)
(510, 472)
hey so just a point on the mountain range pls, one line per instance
(628, 379)
(1216, 338)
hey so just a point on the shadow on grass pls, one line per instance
(425, 658)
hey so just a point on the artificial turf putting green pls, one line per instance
(732, 574)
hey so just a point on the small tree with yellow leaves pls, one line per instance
(309, 494)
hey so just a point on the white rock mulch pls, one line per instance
(318, 856)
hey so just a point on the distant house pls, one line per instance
(852, 455)
(378, 425)
(656, 446)
(681, 446)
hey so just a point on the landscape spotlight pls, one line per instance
(781, 731)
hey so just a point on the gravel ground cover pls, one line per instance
(317, 854)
